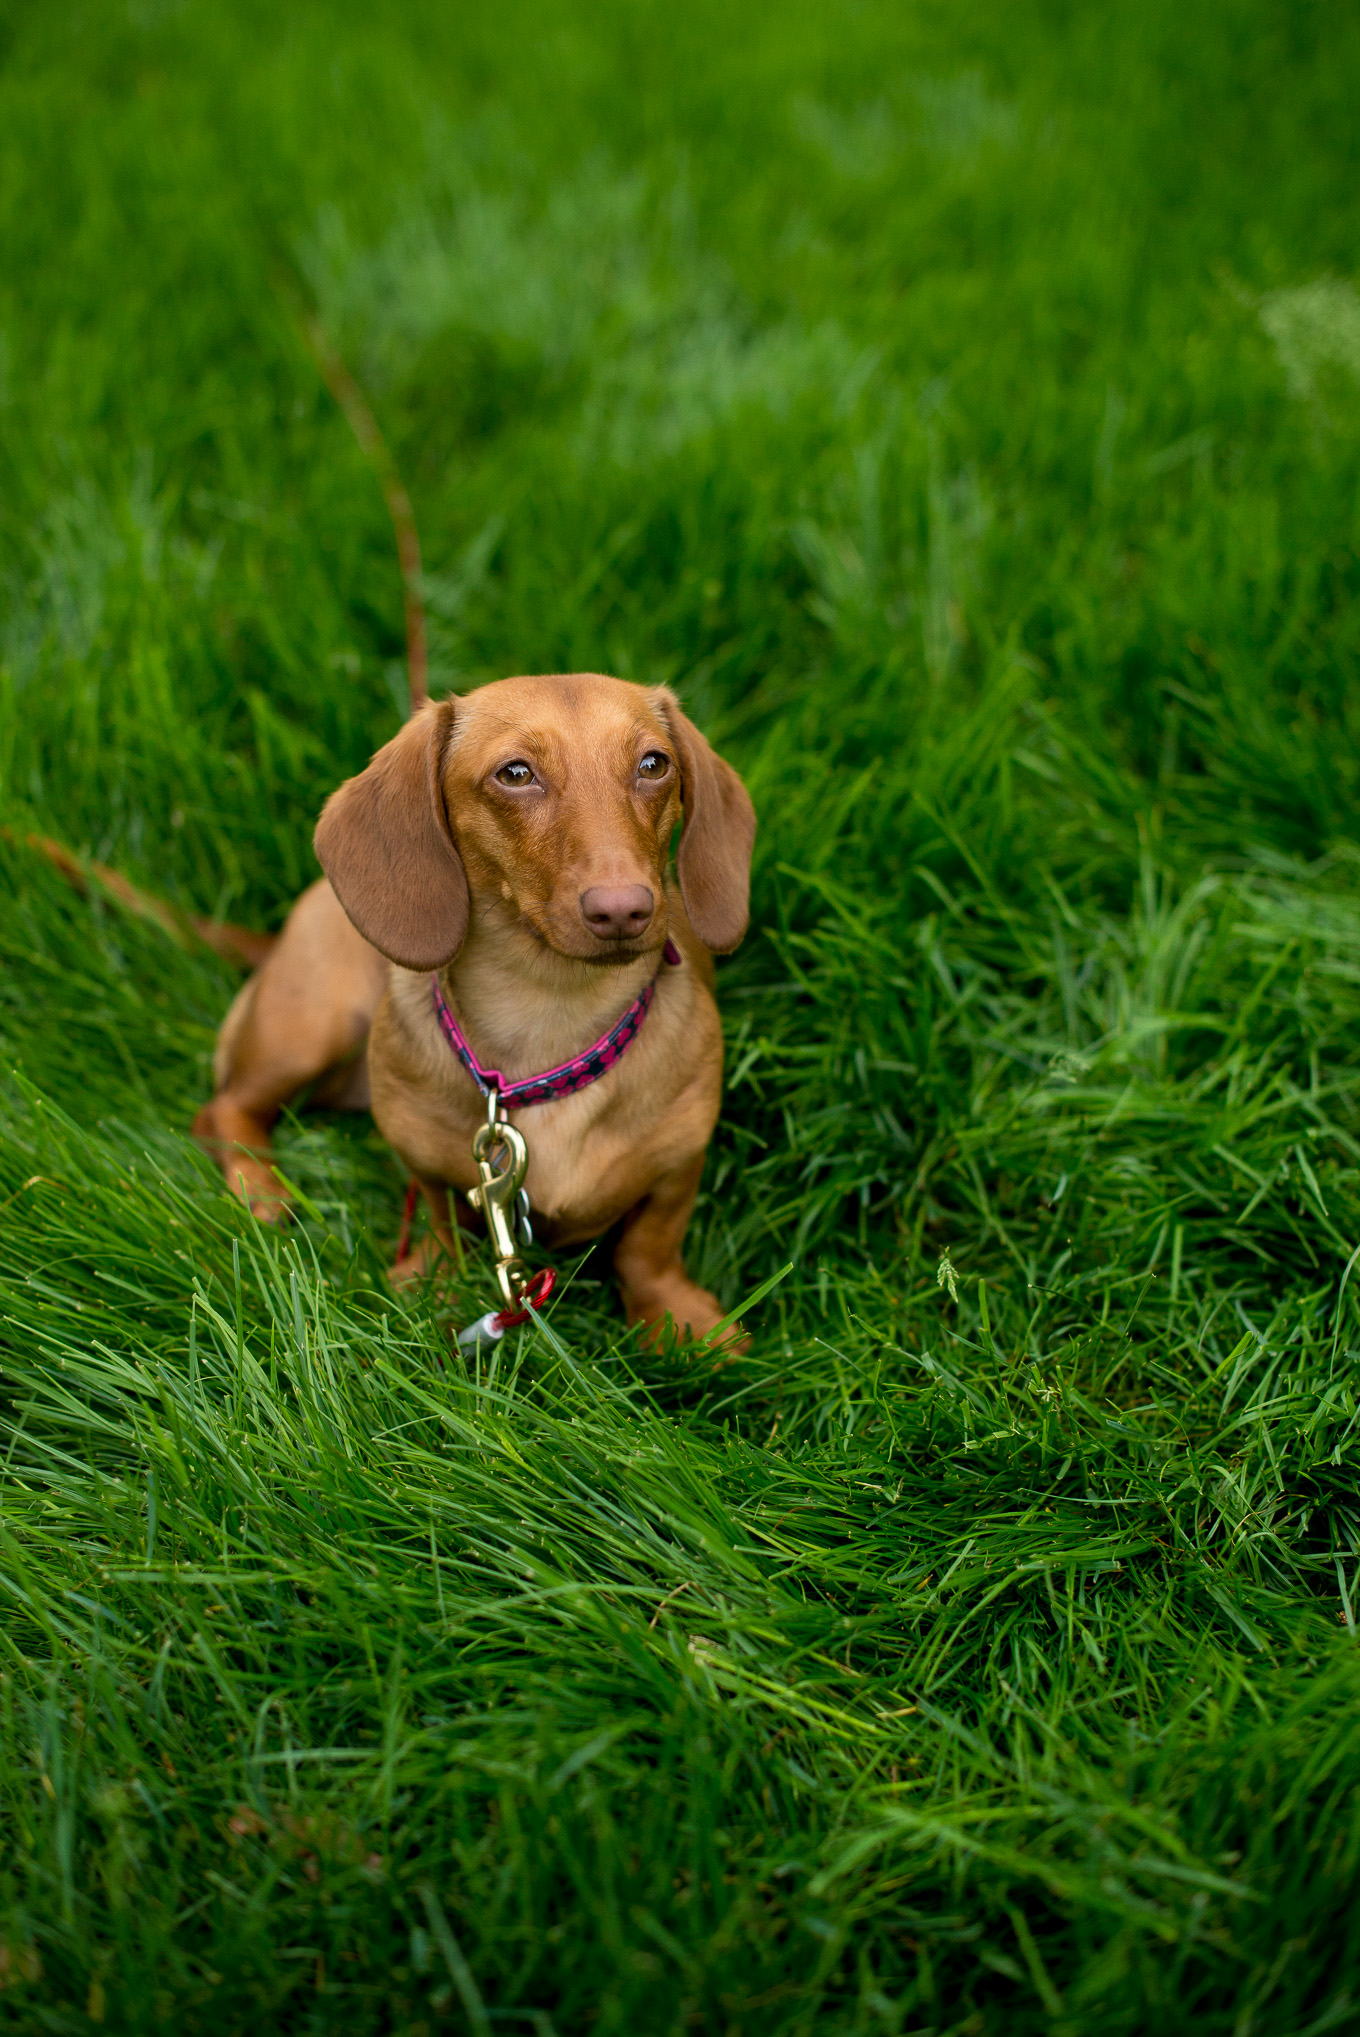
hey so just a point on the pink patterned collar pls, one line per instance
(565, 1080)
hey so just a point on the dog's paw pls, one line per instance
(424, 1259)
(691, 1311)
(245, 1164)
(260, 1190)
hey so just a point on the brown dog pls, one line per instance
(514, 842)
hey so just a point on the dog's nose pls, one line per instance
(616, 912)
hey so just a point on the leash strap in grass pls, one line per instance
(569, 1076)
(490, 1328)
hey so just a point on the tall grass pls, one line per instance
(961, 410)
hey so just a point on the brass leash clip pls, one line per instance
(502, 1158)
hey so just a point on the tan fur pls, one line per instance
(440, 865)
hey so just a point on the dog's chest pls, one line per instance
(592, 1155)
(584, 1169)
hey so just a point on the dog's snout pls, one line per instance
(617, 912)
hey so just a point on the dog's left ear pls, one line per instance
(713, 862)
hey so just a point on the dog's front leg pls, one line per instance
(649, 1257)
(237, 1136)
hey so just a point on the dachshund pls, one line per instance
(498, 898)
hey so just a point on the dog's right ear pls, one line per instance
(713, 862)
(384, 842)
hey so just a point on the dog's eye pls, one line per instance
(516, 773)
(654, 765)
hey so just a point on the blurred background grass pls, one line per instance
(961, 408)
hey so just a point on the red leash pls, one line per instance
(408, 1212)
(535, 1294)
(490, 1328)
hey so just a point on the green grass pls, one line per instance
(961, 407)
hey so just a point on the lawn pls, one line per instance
(960, 407)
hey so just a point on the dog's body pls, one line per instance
(515, 844)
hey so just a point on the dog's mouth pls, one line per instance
(619, 953)
(607, 954)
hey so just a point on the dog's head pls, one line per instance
(550, 802)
